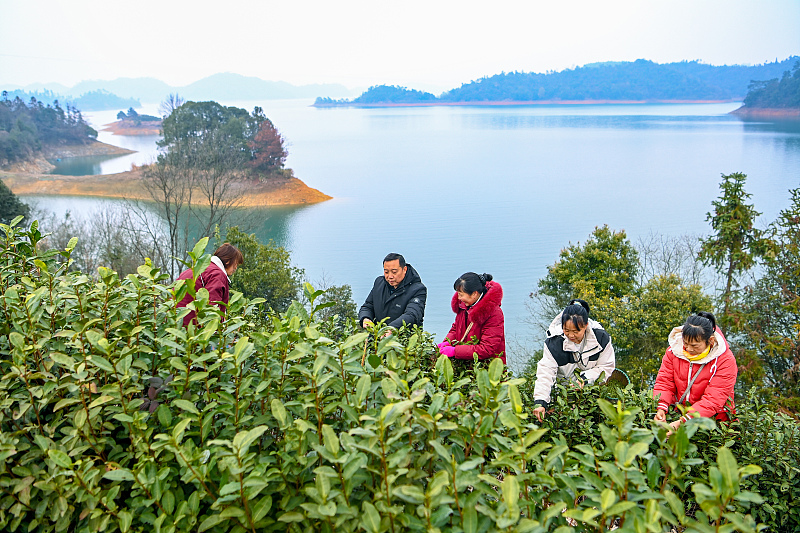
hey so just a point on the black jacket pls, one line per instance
(405, 305)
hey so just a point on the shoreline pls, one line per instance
(127, 185)
(527, 103)
(41, 163)
(766, 112)
(31, 178)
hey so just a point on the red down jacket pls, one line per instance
(487, 322)
(215, 280)
(712, 392)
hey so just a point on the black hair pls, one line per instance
(392, 257)
(470, 282)
(699, 327)
(576, 312)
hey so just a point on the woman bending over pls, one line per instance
(575, 343)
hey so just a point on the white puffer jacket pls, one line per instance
(562, 357)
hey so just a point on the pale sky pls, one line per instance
(423, 44)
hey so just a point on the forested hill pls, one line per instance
(640, 80)
(27, 128)
(783, 93)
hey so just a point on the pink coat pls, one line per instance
(215, 280)
(487, 322)
(712, 392)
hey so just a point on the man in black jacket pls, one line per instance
(398, 295)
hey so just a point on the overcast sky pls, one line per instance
(423, 44)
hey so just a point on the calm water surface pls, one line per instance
(499, 189)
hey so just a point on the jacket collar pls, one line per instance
(410, 277)
(555, 330)
(481, 310)
(217, 261)
(676, 344)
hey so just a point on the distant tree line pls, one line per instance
(637, 80)
(776, 93)
(96, 100)
(27, 128)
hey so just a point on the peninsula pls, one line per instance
(773, 99)
(239, 155)
(128, 185)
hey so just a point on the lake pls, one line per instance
(497, 189)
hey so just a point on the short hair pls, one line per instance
(229, 255)
(470, 282)
(699, 327)
(576, 312)
(392, 257)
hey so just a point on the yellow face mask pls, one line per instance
(697, 357)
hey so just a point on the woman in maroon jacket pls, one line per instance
(479, 319)
(698, 371)
(215, 279)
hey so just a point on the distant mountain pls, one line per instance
(229, 86)
(640, 80)
(144, 89)
(55, 88)
(224, 86)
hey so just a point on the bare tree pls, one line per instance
(170, 104)
(170, 186)
(661, 255)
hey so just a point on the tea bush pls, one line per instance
(113, 417)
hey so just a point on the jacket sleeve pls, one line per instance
(368, 309)
(719, 388)
(546, 372)
(491, 342)
(605, 363)
(415, 309)
(665, 382)
(217, 288)
(452, 335)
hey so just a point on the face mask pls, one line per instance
(697, 357)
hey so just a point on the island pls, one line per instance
(133, 123)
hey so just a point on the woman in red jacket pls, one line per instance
(215, 279)
(698, 371)
(479, 319)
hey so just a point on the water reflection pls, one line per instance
(268, 223)
(82, 166)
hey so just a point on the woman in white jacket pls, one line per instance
(574, 343)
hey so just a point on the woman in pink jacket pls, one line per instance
(479, 319)
(215, 279)
(698, 371)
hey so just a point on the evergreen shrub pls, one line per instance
(113, 417)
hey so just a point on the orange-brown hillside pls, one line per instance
(279, 191)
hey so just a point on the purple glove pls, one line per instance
(449, 351)
(443, 344)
